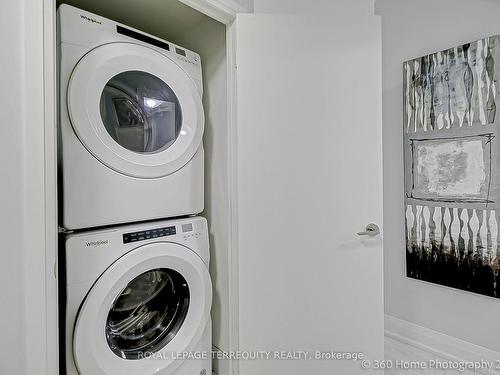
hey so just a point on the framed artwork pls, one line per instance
(452, 167)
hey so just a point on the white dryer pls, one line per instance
(130, 124)
(138, 300)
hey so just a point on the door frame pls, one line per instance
(46, 336)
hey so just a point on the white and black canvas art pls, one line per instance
(452, 167)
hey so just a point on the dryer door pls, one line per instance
(135, 110)
(150, 304)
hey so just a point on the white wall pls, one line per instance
(24, 345)
(312, 6)
(247, 4)
(411, 29)
(12, 323)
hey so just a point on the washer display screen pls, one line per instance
(148, 234)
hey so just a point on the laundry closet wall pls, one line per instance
(411, 29)
(11, 267)
(29, 304)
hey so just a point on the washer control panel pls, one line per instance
(148, 234)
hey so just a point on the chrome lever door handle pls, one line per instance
(371, 230)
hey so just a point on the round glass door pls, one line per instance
(140, 112)
(148, 313)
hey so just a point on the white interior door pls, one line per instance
(309, 178)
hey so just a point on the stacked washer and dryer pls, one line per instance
(137, 290)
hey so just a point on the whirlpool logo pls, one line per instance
(96, 243)
(90, 19)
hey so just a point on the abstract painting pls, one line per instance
(452, 167)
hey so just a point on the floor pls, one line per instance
(412, 361)
(403, 355)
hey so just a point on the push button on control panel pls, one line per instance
(148, 234)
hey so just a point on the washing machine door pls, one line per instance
(135, 110)
(149, 305)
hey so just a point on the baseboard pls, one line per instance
(438, 344)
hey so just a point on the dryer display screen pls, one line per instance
(148, 234)
(143, 38)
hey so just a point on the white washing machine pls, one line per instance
(138, 300)
(131, 124)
